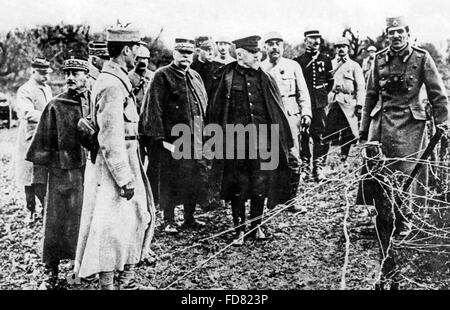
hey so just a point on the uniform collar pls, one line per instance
(243, 70)
(342, 59)
(403, 53)
(119, 71)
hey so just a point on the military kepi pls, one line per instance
(312, 33)
(121, 34)
(342, 41)
(76, 64)
(248, 43)
(274, 35)
(186, 45)
(41, 64)
(395, 22)
(204, 42)
(98, 48)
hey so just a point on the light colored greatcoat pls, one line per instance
(114, 231)
(348, 89)
(30, 102)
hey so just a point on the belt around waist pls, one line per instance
(288, 96)
(320, 86)
(131, 138)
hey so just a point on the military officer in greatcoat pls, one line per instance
(346, 99)
(289, 77)
(394, 116)
(317, 69)
(177, 96)
(32, 97)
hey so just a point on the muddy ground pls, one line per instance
(302, 251)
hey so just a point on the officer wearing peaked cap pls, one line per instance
(290, 80)
(346, 99)
(317, 69)
(32, 97)
(57, 146)
(116, 233)
(394, 116)
(248, 96)
(177, 96)
(98, 55)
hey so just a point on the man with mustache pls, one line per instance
(32, 97)
(346, 100)
(248, 96)
(223, 49)
(394, 115)
(317, 69)
(289, 77)
(177, 96)
(57, 146)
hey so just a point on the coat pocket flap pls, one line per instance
(418, 113)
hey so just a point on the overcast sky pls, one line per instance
(429, 19)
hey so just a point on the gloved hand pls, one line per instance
(305, 121)
(127, 191)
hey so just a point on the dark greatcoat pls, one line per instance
(218, 109)
(56, 145)
(167, 103)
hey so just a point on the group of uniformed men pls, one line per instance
(100, 205)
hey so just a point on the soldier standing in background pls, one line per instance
(368, 61)
(294, 92)
(317, 70)
(346, 100)
(223, 50)
(141, 75)
(32, 97)
(98, 55)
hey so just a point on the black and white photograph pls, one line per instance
(224, 145)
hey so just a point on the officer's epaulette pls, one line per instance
(419, 49)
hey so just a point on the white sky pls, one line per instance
(429, 19)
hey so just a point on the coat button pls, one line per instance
(384, 110)
(406, 110)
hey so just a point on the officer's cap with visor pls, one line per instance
(274, 35)
(250, 44)
(184, 45)
(394, 23)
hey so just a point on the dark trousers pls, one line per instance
(31, 192)
(169, 212)
(316, 132)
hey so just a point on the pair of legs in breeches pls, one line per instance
(126, 279)
(238, 211)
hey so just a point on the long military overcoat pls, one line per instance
(30, 102)
(114, 231)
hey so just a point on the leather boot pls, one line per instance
(106, 280)
(127, 279)
(317, 171)
(50, 278)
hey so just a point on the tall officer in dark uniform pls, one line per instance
(317, 69)
(176, 96)
(247, 96)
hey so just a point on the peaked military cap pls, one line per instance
(248, 43)
(394, 22)
(122, 34)
(204, 42)
(41, 64)
(342, 41)
(223, 39)
(274, 35)
(182, 44)
(143, 52)
(98, 48)
(76, 64)
(312, 33)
